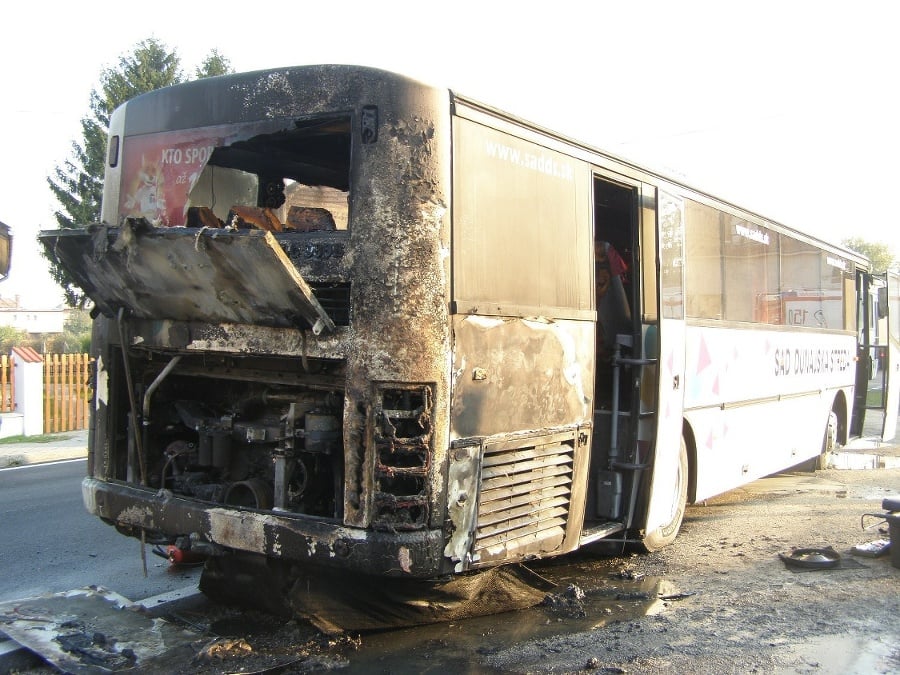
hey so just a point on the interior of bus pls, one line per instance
(616, 390)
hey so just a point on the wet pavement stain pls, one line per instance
(591, 594)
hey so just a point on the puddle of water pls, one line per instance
(848, 655)
(455, 646)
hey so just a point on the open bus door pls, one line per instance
(878, 364)
(891, 369)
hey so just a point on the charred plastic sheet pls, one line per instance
(188, 274)
(93, 630)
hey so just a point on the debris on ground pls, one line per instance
(872, 549)
(569, 603)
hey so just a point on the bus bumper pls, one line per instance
(287, 537)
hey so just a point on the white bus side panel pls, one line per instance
(758, 401)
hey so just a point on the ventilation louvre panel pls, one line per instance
(524, 500)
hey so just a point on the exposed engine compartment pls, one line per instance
(209, 433)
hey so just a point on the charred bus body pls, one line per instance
(350, 320)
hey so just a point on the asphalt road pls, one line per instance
(49, 543)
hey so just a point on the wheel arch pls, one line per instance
(840, 408)
(690, 443)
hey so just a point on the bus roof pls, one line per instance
(640, 171)
(218, 92)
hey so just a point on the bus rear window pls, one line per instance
(264, 175)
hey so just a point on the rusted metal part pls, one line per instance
(462, 498)
(247, 217)
(289, 537)
(402, 445)
(202, 216)
(531, 487)
(516, 497)
(309, 219)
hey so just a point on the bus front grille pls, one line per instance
(523, 504)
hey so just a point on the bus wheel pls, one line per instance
(665, 534)
(829, 443)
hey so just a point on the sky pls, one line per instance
(786, 108)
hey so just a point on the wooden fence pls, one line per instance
(66, 392)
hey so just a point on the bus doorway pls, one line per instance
(614, 461)
(877, 390)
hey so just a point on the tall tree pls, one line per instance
(877, 252)
(77, 183)
(214, 64)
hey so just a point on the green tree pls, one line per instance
(76, 335)
(214, 64)
(11, 337)
(77, 183)
(877, 252)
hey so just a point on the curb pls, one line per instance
(60, 447)
(31, 457)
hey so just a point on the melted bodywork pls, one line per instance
(209, 275)
(272, 320)
(280, 371)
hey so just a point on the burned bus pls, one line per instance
(349, 320)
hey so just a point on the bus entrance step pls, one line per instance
(596, 531)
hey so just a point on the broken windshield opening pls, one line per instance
(294, 179)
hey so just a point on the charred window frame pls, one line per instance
(195, 176)
(302, 174)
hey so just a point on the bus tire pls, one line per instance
(829, 443)
(666, 533)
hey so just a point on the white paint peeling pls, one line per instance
(571, 367)
(486, 322)
(89, 496)
(404, 559)
(241, 530)
(102, 384)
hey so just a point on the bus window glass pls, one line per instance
(750, 258)
(808, 293)
(850, 308)
(835, 272)
(894, 308)
(703, 266)
(671, 242)
(648, 252)
(517, 241)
